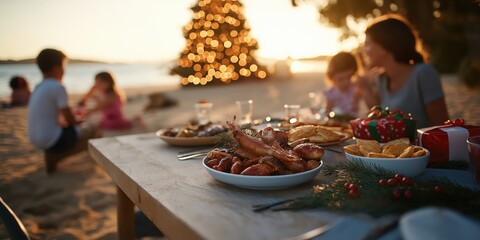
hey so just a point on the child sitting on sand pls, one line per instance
(343, 96)
(20, 91)
(109, 101)
(51, 123)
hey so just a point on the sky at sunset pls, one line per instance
(149, 30)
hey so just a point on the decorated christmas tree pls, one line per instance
(218, 47)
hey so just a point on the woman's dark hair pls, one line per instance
(340, 62)
(17, 82)
(397, 36)
(48, 58)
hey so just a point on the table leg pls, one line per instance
(125, 216)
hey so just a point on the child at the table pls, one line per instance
(109, 100)
(342, 96)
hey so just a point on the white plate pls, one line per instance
(186, 141)
(263, 182)
(406, 166)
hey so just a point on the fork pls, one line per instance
(191, 155)
(315, 232)
(192, 151)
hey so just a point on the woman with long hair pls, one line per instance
(405, 82)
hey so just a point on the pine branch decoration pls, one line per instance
(227, 141)
(380, 199)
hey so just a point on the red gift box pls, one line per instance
(384, 125)
(447, 142)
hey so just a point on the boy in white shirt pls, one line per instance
(51, 123)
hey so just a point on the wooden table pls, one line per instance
(185, 202)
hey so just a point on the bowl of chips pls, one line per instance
(397, 155)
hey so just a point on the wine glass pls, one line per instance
(316, 104)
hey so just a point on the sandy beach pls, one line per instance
(78, 201)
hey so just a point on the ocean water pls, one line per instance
(80, 77)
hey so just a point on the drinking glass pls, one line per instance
(245, 111)
(292, 112)
(316, 104)
(474, 154)
(203, 110)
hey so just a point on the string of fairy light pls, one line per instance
(218, 45)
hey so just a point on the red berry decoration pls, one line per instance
(438, 189)
(398, 177)
(392, 181)
(353, 187)
(346, 185)
(396, 194)
(408, 194)
(353, 193)
(459, 122)
(407, 181)
(382, 182)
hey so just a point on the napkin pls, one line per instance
(438, 223)
(354, 228)
(427, 223)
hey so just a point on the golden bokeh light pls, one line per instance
(225, 61)
(262, 74)
(218, 45)
(210, 59)
(223, 68)
(197, 67)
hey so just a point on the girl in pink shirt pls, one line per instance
(343, 96)
(109, 100)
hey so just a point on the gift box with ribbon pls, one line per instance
(447, 142)
(384, 125)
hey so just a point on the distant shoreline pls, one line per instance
(32, 61)
(80, 61)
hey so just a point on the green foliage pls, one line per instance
(450, 29)
(376, 199)
(336, 12)
(227, 141)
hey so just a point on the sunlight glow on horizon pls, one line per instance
(290, 32)
(150, 30)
